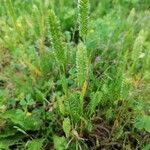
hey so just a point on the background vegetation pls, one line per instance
(74, 74)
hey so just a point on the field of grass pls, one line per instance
(75, 74)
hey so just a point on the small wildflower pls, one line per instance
(28, 113)
(3, 108)
(92, 31)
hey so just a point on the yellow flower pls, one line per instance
(19, 25)
(92, 31)
(3, 108)
(28, 114)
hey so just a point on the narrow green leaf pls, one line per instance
(35, 144)
(67, 126)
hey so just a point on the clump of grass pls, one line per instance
(90, 94)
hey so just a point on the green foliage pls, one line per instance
(81, 64)
(84, 7)
(146, 147)
(10, 141)
(35, 144)
(95, 100)
(142, 122)
(57, 42)
(11, 12)
(24, 120)
(73, 106)
(67, 126)
(70, 82)
(64, 84)
(59, 143)
(138, 46)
